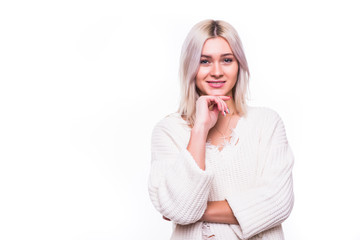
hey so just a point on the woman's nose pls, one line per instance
(216, 70)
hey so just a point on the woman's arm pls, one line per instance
(197, 144)
(219, 212)
(270, 202)
(179, 185)
(178, 188)
(205, 120)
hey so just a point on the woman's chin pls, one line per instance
(218, 93)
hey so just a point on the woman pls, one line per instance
(220, 169)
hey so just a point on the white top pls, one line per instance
(252, 172)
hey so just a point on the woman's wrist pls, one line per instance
(196, 145)
(200, 132)
(200, 128)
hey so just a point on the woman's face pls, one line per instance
(218, 68)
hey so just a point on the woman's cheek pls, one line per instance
(202, 72)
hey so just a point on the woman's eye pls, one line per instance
(228, 60)
(204, 61)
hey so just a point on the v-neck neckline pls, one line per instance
(234, 138)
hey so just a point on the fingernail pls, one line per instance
(224, 114)
(228, 110)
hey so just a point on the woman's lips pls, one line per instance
(216, 84)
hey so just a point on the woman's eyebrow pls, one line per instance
(227, 54)
(222, 55)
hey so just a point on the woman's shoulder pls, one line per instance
(261, 114)
(261, 111)
(173, 121)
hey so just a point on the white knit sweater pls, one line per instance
(252, 172)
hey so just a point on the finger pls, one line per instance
(225, 98)
(226, 108)
(213, 102)
(219, 104)
(223, 107)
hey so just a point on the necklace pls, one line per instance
(223, 135)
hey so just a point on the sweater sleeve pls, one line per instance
(178, 188)
(270, 202)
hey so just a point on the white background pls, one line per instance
(84, 82)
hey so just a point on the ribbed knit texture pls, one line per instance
(252, 172)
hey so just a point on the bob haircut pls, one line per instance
(190, 61)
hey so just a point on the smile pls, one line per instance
(216, 84)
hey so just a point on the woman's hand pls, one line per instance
(208, 108)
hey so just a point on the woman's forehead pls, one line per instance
(216, 46)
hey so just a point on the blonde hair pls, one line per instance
(190, 61)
